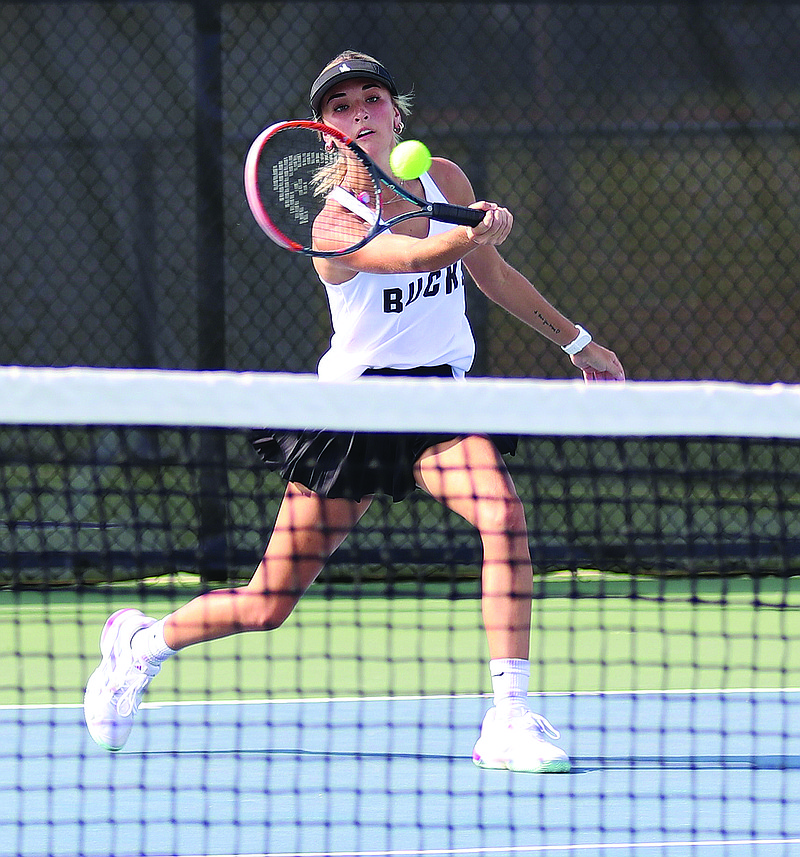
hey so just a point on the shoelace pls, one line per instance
(135, 685)
(541, 724)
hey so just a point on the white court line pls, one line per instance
(694, 844)
(325, 700)
(320, 700)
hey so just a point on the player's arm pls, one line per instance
(496, 278)
(510, 289)
(391, 252)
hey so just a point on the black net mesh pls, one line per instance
(662, 622)
(98, 504)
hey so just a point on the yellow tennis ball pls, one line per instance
(410, 159)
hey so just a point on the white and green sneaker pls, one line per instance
(115, 688)
(519, 742)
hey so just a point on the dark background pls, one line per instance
(649, 152)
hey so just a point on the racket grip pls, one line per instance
(457, 214)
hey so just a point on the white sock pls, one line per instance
(510, 679)
(148, 644)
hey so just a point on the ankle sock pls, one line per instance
(510, 679)
(148, 644)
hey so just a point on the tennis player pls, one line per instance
(397, 307)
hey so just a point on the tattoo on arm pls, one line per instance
(546, 323)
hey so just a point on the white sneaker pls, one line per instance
(519, 743)
(115, 688)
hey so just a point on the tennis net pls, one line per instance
(664, 531)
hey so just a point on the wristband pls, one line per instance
(579, 343)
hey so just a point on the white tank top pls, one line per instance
(399, 321)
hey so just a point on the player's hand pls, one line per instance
(495, 226)
(598, 364)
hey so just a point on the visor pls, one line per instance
(346, 70)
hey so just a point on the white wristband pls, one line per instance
(579, 343)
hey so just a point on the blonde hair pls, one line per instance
(327, 177)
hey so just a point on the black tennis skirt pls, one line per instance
(355, 465)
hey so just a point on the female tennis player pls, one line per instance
(384, 322)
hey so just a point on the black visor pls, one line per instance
(346, 70)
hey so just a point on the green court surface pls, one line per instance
(590, 633)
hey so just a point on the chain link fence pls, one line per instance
(650, 154)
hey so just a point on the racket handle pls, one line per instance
(457, 214)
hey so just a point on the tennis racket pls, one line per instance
(314, 191)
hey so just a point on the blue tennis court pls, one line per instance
(679, 773)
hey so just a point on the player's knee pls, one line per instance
(505, 515)
(270, 611)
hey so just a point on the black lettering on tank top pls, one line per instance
(422, 287)
(432, 287)
(414, 291)
(451, 281)
(392, 300)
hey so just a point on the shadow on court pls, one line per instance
(580, 764)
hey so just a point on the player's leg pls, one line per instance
(469, 476)
(307, 530)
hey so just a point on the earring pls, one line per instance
(398, 129)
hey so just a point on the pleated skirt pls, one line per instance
(354, 465)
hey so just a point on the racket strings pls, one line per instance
(313, 196)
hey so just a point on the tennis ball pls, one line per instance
(410, 159)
